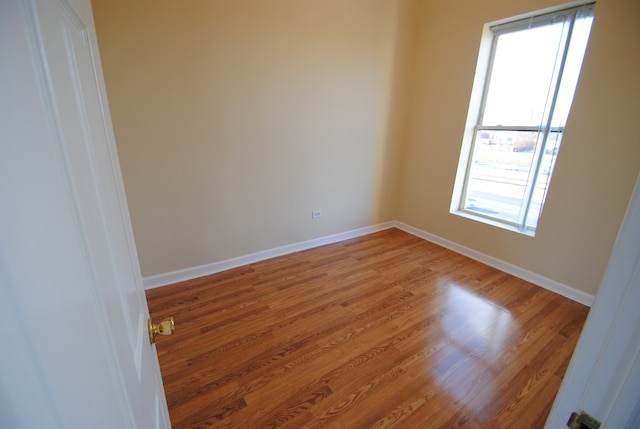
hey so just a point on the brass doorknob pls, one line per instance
(166, 327)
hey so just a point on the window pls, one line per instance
(516, 127)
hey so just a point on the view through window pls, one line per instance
(531, 78)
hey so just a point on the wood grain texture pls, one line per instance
(381, 331)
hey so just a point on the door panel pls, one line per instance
(603, 378)
(71, 294)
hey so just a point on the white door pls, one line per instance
(74, 351)
(603, 379)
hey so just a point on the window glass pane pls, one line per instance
(541, 184)
(523, 72)
(577, 48)
(499, 173)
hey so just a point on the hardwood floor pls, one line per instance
(381, 331)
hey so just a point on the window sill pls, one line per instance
(493, 222)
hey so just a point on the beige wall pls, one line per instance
(234, 119)
(595, 170)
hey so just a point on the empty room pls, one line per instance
(238, 123)
(338, 213)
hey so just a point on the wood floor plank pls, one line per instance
(381, 331)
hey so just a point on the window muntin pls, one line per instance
(531, 78)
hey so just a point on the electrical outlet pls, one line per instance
(316, 214)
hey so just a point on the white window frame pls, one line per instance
(491, 32)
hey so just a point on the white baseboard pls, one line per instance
(158, 280)
(216, 267)
(536, 279)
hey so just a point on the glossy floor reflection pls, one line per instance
(479, 331)
(382, 331)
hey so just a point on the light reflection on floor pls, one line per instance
(478, 333)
